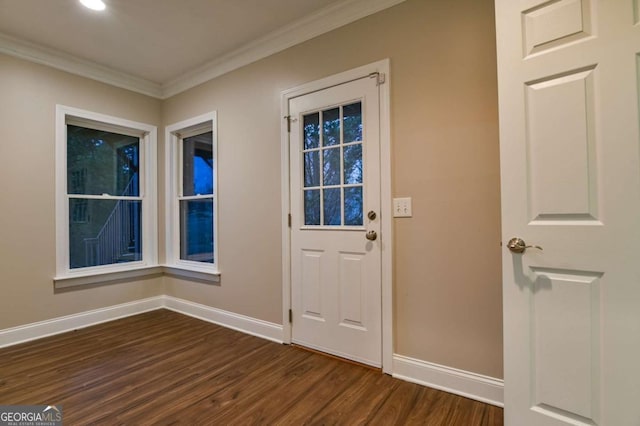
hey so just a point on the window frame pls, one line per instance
(174, 135)
(147, 135)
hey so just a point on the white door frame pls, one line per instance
(386, 211)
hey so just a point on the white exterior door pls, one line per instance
(335, 249)
(568, 90)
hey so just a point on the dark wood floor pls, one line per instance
(165, 368)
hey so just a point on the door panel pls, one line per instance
(555, 23)
(565, 320)
(335, 179)
(561, 147)
(352, 291)
(311, 285)
(569, 142)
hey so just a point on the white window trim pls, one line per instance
(173, 134)
(148, 149)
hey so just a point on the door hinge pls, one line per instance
(380, 77)
(288, 118)
(290, 316)
(289, 220)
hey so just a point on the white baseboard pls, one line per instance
(255, 327)
(464, 383)
(38, 330)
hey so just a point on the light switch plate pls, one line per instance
(402, 207)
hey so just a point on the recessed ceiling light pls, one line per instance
(93, 4)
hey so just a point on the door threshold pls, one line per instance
(339, 358)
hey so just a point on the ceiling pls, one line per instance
(162, 47)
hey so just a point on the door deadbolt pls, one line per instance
(372, 215)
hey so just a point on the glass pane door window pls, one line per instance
(103, 192)
(196, 199)
(332, 159)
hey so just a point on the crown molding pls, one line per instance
(320, 22)
(63, 61)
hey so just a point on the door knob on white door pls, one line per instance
(371, 235)
(517, 245)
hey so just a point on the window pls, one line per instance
(191, 202)
(105, 204)
(332, 158)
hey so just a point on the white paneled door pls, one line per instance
(335, 208)
(568, 90)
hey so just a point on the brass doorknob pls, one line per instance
(371, 235)
(517, 245)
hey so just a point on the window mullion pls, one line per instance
(142, 166)
(195, 197)
(341, 151)
(180, 156)
(104, 197)
(321, 145)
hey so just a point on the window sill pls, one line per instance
(208, 277)
(104, 277)
(140, 272)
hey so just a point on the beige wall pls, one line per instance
(447, 283)
(28, 97)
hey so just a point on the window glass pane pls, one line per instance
(79, 211)
(197, 165)
(331, 170)
(353, 164)
(312, 207)
(352, 122)
(100, 162)
(332, 204)
(331, 126)
(353, 206)
(110, 232)
(332, 163)
(312, 131)
(196, 230)
(312, 168)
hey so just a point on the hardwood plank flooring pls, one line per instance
(166, 368)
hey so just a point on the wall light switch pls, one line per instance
(402, 207)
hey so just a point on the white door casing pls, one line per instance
(568, 96)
